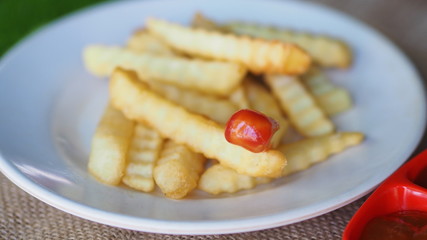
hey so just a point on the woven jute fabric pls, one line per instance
(24, 217)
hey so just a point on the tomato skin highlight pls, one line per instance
(251, 130)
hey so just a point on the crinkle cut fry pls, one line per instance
(213, 107)
(331, 98)
(220, 179)
(301, 155)
(141, 158)
(238, 97)
(261, 100)
(200, 134)
(201, 21)
(326, 51)
(309, 151)
(298, 104)
(259, 56)
(109, 148)
(178, 170)
(143, 41)
(212, 77)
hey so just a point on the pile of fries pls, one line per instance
(173, 88)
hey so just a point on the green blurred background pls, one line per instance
(18, 18)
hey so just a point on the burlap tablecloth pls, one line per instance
(24, 217)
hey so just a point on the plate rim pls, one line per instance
(189, 227)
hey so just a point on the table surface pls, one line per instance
(24, 217)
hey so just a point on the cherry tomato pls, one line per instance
(251, 130)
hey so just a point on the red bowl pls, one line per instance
(396, 193)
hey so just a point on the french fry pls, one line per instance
(220, 179)
(200, 134)
(212, 107)
(200, 21)
(219, 78)
(142, 41)
(326, 51)
(261, 100)
(259, 56)
(304, 153)
(217, 109)
(158, 91)
(109, 146)
(178, 170)
(301, 155)
(331, 98)
(142, 154)
(239, 98)
(291, 135)
(301, 108)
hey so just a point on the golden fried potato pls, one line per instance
(200, 21)
(326, 51)
(200, 134)
(178, 170)
(215, 108)
(239, 98)
(301, 108)
(109, 146)
(331, 98)
(261, 100)
(301, 155)
(220, 179)
(304, 153)
(142, 41)
(259, 56)
(219, 78)
(142, 155)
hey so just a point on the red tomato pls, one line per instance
(251, 130)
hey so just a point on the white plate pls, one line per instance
(50, 105)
